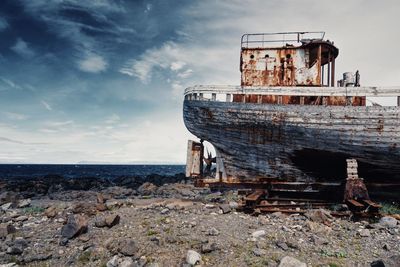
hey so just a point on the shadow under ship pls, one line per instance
(290, 126)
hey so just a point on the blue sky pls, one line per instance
(102, 80)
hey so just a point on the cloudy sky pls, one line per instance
(102, 80)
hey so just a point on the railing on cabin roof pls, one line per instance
(372, 91)
(254, 40)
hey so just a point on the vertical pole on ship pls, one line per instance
(329, 69)
(333, 71)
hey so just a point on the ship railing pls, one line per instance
(278, 38)
(225, 92)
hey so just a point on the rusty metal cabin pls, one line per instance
(299, 62)
(290, 59)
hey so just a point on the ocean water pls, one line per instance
(9, 171)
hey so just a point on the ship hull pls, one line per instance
(298, 143)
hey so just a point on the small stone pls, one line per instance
(113, 262)
(60, 220)
(14, 250)
(388, 222)
(282, 245)
(84, 208)
(386, 247)
(377, 263)
(100, 222)
(101, 207)
(12, 264)
(319, 240)
(233, 205)
(225, 208)
(127, 262)
(193, 258)
(209, 206)
(6, 229)
(112, 204)
(6, 206)
(164, 211)
(209, 247)
(147, 189)
(259, 252)
(156, 240)
(24, 203)
(112, 220)
(84, 238)
(320, 216)
(75, 226)
(37, 257)
(364, 233)
(128, 247)
(288, 261)
(50, 212)
(258, 234)
(17, 247)
(278, 215)
(21, 218)
(63, 241)
(213, 232)
(100, 198)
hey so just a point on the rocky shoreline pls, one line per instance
(166, 221)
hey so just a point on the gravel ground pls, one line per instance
(179, 225)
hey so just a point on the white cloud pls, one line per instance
(93, 63)
(114, 118)
(177, 65)
(153, 58)
(10, 83)
(59, 123)
(16, 116)
(46, 105)
(22, 48)
(185, 74)
(3, 24)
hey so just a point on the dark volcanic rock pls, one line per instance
(75, 226)
(17, 247)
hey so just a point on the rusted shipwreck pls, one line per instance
(290, 125)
